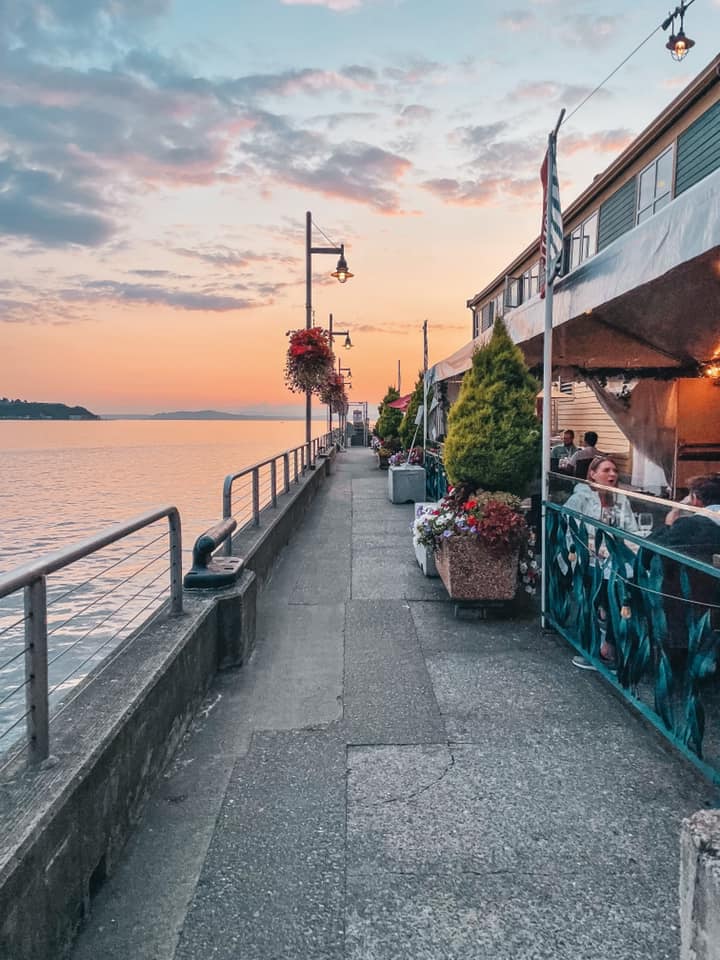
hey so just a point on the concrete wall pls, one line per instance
(63, 826)
(700, 886)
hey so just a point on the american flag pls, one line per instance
(551, 250)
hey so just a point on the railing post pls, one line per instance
(256, 496)
(227, 511)
(297, 479)
(36, 671)
(273, 482)
(286, 471)
(176, 593)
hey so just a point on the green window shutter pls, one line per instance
(698, 149)
(617, 214)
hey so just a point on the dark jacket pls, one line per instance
(696, 536)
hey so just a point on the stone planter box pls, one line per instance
(406, 484)
(424, 556)
(382, 462)
(469, 572)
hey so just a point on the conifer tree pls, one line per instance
(493, 438)
(388, 421)
(408, 425)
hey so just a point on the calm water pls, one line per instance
(64, 481)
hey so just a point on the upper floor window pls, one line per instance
(655, 185)
(487, 315)
(583, 242)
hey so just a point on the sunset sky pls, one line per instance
(157, 158)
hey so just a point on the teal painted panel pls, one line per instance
(658, 610)
(617, 214)
(698, 150)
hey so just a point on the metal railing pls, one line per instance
(644, 614)
(436, 481)
(249, 491)
(32, 624)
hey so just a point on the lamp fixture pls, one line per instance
(679, 45)
(711, 370)
(348, 342)
(341, 272)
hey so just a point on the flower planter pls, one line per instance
(424, 555)
(382, 462)
(406, 484)
(470, 572)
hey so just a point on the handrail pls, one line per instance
(32, 578)
(256, 503)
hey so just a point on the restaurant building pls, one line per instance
(636, 315)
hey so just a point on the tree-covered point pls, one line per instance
(493, 438)
(31, 410)
(389, 419)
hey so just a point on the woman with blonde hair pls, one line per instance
(611, 508)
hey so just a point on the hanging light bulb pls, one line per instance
(341, 272)
(679, 45)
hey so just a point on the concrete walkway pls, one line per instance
(385, 782)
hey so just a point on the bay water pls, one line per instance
(63, 481)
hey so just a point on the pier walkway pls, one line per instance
(384, 782)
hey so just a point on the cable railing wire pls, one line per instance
(12, 726)
(102, 596)
(15, 691)
(95, 652)
(101, 573)
(12, 625)
(14, 658)
(112, 612)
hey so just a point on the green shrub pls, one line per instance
(408, 425)
(389, 419)
(493, 438)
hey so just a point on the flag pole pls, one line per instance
(425, 390)
(550, 272)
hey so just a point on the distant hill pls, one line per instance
(31, 410)
(209, 415)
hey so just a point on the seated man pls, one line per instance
(695, 534)
(560, 454)
(580, 461)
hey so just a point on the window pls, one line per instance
(499, 306)
(487, 315)
(655, 186)
(583, 242)
(475, 330)
(513, 291)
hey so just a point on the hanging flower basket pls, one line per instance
(333, 393)
(309, 362)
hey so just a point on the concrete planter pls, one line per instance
(424, 556)
(382, 462)
(469, 572)
(406, 484)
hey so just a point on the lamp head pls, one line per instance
(348, 341)
(341, 272)
(679, 45)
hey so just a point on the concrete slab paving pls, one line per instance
(383, 781)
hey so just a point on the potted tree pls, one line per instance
(492, 444)
(386, 428)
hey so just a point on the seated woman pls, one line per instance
(611, 508)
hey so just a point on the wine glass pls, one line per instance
(645, 524)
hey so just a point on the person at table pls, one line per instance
(580, 461)
(560, 454)
(614, 509)
(695, 533)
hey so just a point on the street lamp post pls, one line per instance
(341, 274)
(332, 333)
(341, 416)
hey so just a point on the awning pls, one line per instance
(402, 403)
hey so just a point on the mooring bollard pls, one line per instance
(208, 572)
